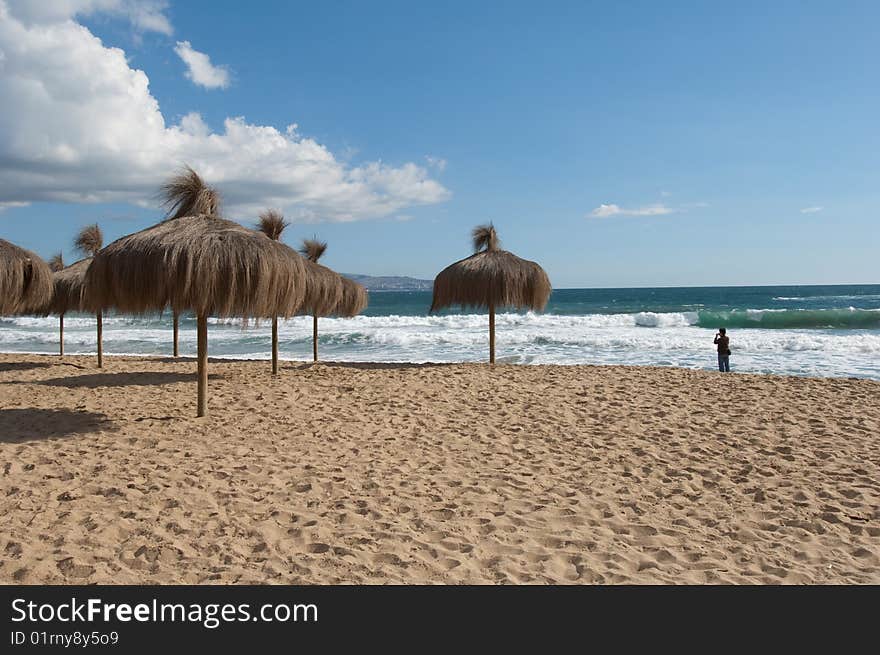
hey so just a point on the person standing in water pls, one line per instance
(723, 343)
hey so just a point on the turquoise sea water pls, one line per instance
(801, 330)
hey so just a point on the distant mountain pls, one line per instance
(391, 283)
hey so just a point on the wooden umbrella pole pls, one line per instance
(202, 330)
(100, 317)
(491, 331)
(274, 345)
(176, 330)
(315, 337)
(61, 335)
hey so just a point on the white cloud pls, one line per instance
(606, 211)
(811, 210)
(436, 162)
(10, 205)
(199, 68)
(149, 16)
(82, 126)
(144, 15)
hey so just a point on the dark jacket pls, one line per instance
(723, 345)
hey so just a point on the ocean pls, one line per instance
(793, 330)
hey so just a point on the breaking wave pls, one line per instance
(792, 341)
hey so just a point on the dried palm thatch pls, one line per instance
(207, 264)
(202, 263)
(25, 280)
(272, 224)
(491, 278)
(312, 249)
(56, 263)
(186, 194)
(354, 299)
(69, 283)
(324, 290)
(89, 240)
(354, 296)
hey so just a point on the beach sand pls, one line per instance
(344, 473)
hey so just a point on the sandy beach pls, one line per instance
(395, 473)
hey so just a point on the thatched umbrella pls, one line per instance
(69, 286)
(56, 263)
(194, 260)
(336, 295)
(272, 224)
(491, 278)
(25, 280)
(324, 288)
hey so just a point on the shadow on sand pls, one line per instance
(22, 366)
(135, 378)
(29, 424)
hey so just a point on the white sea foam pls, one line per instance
(867, 296)
(640, 338)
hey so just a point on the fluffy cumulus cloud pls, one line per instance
(199, 68)
(80, 125)
(607, 211)
(144, 15)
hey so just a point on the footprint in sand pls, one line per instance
(449, 563)
(70, 569)
(388, 558)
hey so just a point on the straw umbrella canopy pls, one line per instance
(195, 260)
(272, 224)
(491, 278)
(338, 295)
(69, 285)
(354, 298)
(56, 262)
(25, 280)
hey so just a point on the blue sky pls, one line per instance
(618, 144)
